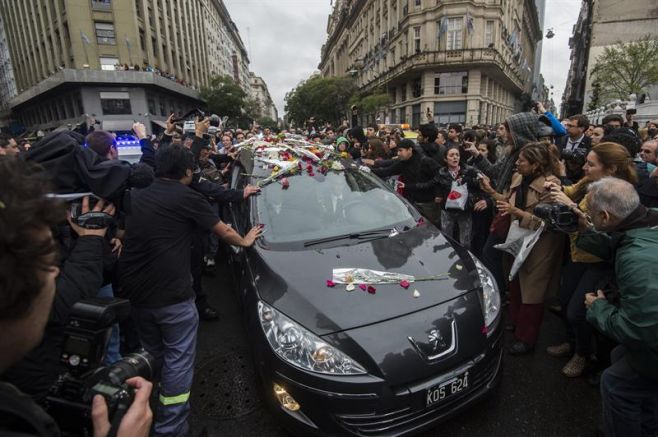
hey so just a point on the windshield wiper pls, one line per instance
(379, 233)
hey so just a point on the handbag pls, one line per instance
(457, 197)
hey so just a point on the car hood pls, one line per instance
(294, 282)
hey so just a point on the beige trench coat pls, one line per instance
(539, 275)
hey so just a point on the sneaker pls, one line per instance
(559, 350)
(575, 367)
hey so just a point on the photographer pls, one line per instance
(574, 146)
(30, 280)
(629, 387)
(584, 271)
(155, 271)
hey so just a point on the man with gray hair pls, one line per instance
(629, 238)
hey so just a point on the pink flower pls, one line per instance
(371, 289)
(484, 330)
(330, 283)
(363, 287)
(311, 174)
(309, 168)
(285, 183)
(420, 222)
(404, 284)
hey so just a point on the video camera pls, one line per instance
(576, 157)
(557, 217)
(188, 121)
(86, 337)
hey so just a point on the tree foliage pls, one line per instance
(325, 98)
(627, 68)
(224, 97)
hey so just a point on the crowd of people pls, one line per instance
(479, 186)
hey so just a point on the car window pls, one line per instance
(240, 209)
(325, 206)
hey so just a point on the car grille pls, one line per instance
(397, 421)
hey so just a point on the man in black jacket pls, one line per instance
(420, 179)
(37, 294)
(427, 135)
(574, 146)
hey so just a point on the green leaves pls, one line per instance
(626, 68)
(224, 97)
(324, 98)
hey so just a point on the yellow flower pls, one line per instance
(344, 155)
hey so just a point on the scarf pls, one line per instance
(522, 192)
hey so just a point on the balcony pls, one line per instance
(102, 77)
(466, 58)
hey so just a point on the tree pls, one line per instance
(324, 98)
(627, 68)
(224, 97)
(595, 98)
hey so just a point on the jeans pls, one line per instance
(113, 352)
(630, 400)
(578, 279)
(464, 220)
(169, 334)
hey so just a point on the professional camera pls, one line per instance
(557, 216)
(85, 342)
(189, 120)
(577, 156)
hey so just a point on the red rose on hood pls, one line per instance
(454, 195)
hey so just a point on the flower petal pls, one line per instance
(416, 294)
(350, 287)
(371, 289)
(363, 287)
(404, 284)
(330, 283)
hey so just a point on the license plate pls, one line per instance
(438, 393)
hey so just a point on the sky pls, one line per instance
(284, 38)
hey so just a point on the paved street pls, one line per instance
(534, 399)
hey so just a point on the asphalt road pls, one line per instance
(534, 399)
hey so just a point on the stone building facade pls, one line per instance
(455, 61)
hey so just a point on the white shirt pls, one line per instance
(573, 144)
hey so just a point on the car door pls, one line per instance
(239, 213)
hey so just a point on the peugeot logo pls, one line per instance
(436, 340)
(437, 346)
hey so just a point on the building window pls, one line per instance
(417, 39)
(489, 35)
(115, 103)
(454, 40)
(417, 3)
(151, 105)
(451, 83)
(101, 5)
(403, 93)
(415, 116)
(105, 33)
(108, 63)
(449, 112)
(417, 89)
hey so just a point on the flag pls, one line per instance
(85, 38)
(443, 26)
(469, 23)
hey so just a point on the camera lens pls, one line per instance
(135, 364)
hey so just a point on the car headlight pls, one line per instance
(302, 348)
(490, 296)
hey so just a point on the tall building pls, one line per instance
(7, 82)
(538, 86)
(118, 59)
(454, 62)
(261, 94)
(601, 24)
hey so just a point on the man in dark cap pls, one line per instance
(420, 176)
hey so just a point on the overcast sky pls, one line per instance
(284, 37)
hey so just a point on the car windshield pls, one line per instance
(331, 205)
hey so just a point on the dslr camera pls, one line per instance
(85, 341)
(557, 217)
(576, 157)
(188, 120)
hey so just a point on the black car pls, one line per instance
(381, 361)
